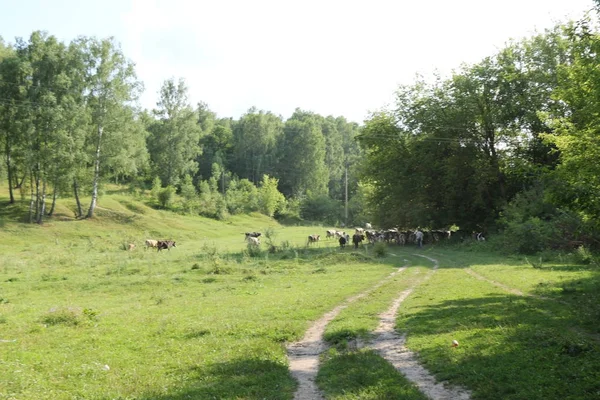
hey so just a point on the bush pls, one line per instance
(584, 256)
(532, 225)
(380, 249)
(321, 208)
(166, 196)
(253, 250)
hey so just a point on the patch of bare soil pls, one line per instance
(303, 356)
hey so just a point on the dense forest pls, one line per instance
(507, 145)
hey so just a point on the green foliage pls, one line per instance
(583, 255)
(255, 138)
(156, 187)
(290, 211)
(189, 194)
(530, 224)
(241, 197)
(269, 198)
(188, 190)
(166, 196)
(380, 249)
(320, 207)
(253, 250)
(174, 137)
(302, 156)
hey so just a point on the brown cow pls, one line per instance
(165, 244)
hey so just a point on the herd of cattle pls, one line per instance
(394, 235)
(369, 234)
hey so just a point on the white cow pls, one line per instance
(254, 241)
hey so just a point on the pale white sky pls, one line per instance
(332, 57)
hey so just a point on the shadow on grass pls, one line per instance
(341, 337)
(241, 379)
(16, 212)
(511, 348)
(364, 374)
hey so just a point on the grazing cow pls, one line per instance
(252, 234)
(419, 238)
(368, 225)
(313, 239)
(330, 233)
(343, 241)
(165, 244)
(357, 238)
(151, 243)
(130, 246)
(371, 236)
(360, 231)
(254, 241)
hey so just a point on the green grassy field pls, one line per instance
(83, 318)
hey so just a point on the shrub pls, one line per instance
(253, 250)
(269, 197)
(583, 255)
(321, 208)
(156, 187)
(166, 196)
(380, 249)
(532, 225)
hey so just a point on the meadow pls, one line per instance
(81, 317)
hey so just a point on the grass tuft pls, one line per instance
(61, 316)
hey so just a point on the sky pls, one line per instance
(332, 57)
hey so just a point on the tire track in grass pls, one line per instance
(392, 347)
(303, 356)
(580, 331)
(584, 332)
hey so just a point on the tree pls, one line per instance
(174, 138)
(12, 112)
(269, 197)
(111, 86)
(255, 138)
(217, 147)
(576, 134)
(302, 157)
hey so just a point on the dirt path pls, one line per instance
(391, 346)
(303, 356)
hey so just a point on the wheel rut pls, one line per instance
(304, 355)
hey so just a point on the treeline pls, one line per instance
(509, 145)
(69, 122)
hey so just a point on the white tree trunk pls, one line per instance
(90, 213)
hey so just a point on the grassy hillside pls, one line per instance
(81, 317)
